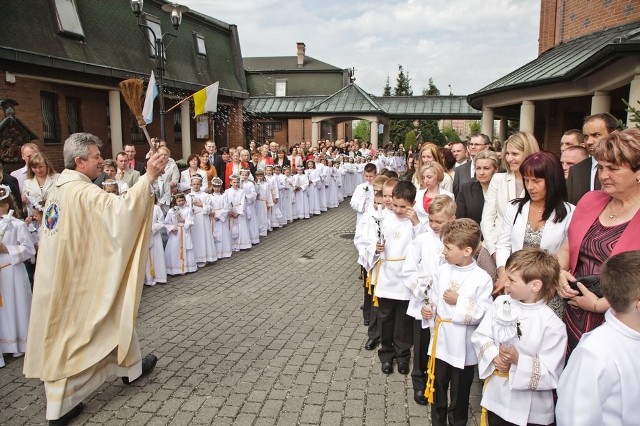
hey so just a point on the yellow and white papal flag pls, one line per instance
(206, 100)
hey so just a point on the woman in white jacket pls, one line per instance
(539, 219)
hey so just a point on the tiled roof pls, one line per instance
(114, 48)
(285, 63)
(569, 61)
(353, 100)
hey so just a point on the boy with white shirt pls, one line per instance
(388, 254)
(362, 197)
(600, 382)
(521, 344)
(424, 258)
(461, 295)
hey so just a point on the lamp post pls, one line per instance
(158, 44)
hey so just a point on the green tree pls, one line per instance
(361, 131)
(450, 134)
(429, 132)
(475, 127)
(387, 88)
(403, 83)
(431, 90)
(410, 140)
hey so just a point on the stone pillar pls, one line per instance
(487, 122)
(374, 134)
(634, 97)
(504, 130)
(527, 116)
(315, 132)
(115, 122)
(600, 102)
(385, 134)
(185, 119)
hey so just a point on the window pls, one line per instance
(281, 87)
(136, 132)
(74, 122)
(266, 130)
(67, 18)
(177, 126)
(50, 119)
(154, 31)
(201, 49)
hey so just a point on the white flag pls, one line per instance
(152, 92)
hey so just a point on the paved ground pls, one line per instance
(272, 336)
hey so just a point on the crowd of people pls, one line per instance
(510, 269)
(472, 257)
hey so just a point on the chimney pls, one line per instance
(301, 51)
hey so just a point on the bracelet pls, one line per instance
(595, 305)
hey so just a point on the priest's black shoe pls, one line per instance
(365, 322)
(418, 397)
(64, 420)
(371, 344)
(387, 367)
(403, 368)
(148, 364)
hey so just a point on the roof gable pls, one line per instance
(350, 98)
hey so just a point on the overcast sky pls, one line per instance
(463, 43)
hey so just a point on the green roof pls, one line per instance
(568, 61)
(286, 63)
(352, 100)
(114, 48)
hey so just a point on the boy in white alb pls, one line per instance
(362, 197)
(387, 254)
(599, 386)
(521, 344)
(462, 295)
(424, 258)
(371, 222)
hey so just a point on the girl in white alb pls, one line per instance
(220, 216)
(204, 247)
(179, 255)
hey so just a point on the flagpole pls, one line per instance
(182, 101)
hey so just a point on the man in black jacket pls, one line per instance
(215, 159)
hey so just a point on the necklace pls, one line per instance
(615, 215)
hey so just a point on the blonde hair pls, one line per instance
(522, 141)
(35, 160)
(443, 204)
(462, 233)
(437, 169)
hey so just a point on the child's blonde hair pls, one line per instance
(462, 233)
(444, 204)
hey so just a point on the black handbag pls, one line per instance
(591, 282)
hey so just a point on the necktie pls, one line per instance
(596, 181)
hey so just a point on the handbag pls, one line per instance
(592, 283)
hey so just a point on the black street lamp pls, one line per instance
(158, 44)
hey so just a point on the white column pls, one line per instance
(487, 122)
(600, 102)
(374, 134)
(634, 97)
(115, 122)
(527, 116)
(504, 129)
(315, 132)
(185, 119)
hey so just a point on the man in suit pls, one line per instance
(583, 176)
(459, 151)
(273, 150)
(124, 173)
(130, 150)
(215, 159)
(466, 172)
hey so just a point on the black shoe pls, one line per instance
(371, 344)
(148, 364)
(365, 322)
(387, 367)
(403, 368)
(362, 307)
(418, 397)
(64, 420)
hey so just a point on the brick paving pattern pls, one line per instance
(272, 336)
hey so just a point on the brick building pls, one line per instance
(589, 61)
(62, 60)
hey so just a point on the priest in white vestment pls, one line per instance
(88, 283)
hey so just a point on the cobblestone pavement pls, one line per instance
(272, 336)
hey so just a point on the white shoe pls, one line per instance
(18, 355)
